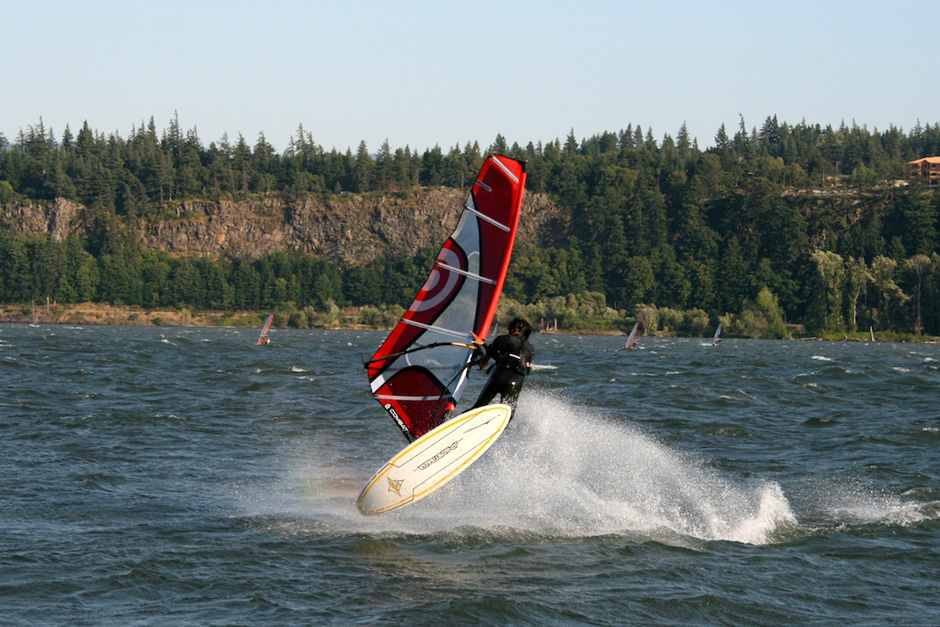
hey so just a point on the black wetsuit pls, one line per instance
(513, 356)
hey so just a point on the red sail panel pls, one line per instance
(457, 302)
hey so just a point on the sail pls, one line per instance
(631, 339)
(717, 337)
(419, 372)
(265, 329)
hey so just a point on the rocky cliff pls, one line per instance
(58, 218)
(348, 228)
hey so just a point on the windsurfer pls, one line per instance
(513, 356)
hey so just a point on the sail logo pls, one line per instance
(394, 414)
(442, 282)
(440, 455)
(394, 485)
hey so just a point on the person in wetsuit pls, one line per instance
(513, 356)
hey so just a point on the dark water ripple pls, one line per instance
(185, 476)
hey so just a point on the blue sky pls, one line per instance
(428, 73)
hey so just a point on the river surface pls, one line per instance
(183, 476)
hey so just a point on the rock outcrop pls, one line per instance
(349, 228)
(57, 218)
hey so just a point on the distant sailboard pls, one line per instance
(632, 339)
(263, 338)
(717, 337)
(419, 373)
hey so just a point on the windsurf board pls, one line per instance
(433, 459)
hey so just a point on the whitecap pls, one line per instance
(853, 505)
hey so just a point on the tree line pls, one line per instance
(804, 223)
(124, 273)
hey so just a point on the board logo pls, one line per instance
(439, 455)
(394, 485)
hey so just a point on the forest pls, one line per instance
(776, 230)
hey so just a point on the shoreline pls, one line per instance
(99, 314)
(113, 315)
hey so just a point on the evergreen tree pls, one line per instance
(364, 170)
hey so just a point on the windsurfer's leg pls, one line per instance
(507, 384)
(510, 393)
(489, 391)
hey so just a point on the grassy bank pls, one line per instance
(357, 318)
(96, 313)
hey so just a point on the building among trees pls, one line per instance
(928, 169)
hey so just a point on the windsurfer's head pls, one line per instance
(521, 326)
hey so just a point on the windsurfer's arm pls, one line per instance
(480, 357)
(479, 351)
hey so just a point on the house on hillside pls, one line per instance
(927, 169)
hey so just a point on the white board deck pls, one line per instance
(433, 459)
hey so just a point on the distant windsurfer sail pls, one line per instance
(632, 339)
(263, 338)
(418, 374)
(717, 337)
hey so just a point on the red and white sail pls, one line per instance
(418, 385)
(265, 329)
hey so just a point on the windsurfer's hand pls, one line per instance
(478, 355)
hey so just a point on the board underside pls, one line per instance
(434, 459)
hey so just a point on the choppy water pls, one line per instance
(186, 476)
